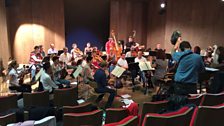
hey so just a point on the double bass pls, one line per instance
(117, 49)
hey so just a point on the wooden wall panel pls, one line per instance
(4, 46)
(126, 16)
(198, 20)
(35, 22)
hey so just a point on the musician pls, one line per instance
(110, 44)
(42, 50)
(52, 50)
(102, 86)
(160, 66)
(122, 62)
(14, 77)
(88, 50)
(35, 60)
(57, 71)
(87, 71)
(111, 57)
(138, 59)
(76, 52)
(131, 43)
(65, 57)
(189, 67)
(132, 52)
(46, 78)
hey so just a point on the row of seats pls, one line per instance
(61, 97)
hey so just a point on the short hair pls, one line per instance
(55, 58)
(36, 47)
(184, 45)
(46, 65)
(103, 64)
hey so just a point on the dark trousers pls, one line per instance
(184, 88)
(106, 90)
(21, 88)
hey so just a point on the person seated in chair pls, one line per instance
(16, 79)
(46, 78)
(102, 87)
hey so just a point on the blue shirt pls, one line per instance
(101, 78)
(189, 67)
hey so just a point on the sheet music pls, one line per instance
(77, 72)
(125, 96)
(118, 71)
(39, 74)
(145, 66)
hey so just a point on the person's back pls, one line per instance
(189, 67)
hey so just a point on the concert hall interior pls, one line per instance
(111, 62)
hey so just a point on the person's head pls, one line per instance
(65, 49)
(47, 67)
(139, 54)
(41, 47)
(197, 50)
(88, 44)
(13, 64)
(158, 46)
(55, 59)
(184, 45)
(123, 55)
(37, 49)
(110, 39)
(161, 54)
(74, 45)
(130, 39)
(52, 46)
(103, 65)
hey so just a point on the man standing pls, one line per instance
(102, 87)
(189, 65)
(110, 45)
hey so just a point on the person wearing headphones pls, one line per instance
(188, 65)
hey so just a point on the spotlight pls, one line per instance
(163, 5)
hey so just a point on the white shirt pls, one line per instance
(52, 51)
(13, 81)
(47, 82)
(65, 58)
(122, 62)
(142, 59)
(128, 54)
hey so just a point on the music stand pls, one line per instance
(60, 52)
(152, 53)
(168, 56)
(130, 59)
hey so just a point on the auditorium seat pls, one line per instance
(181, 117)
(87, 107)
(112, 114)
(152, 107)
(212, 99)
(93, 118)
(36, 99)
(208, 116)
(65, 97)
(128, 121)
(6, 119)
(7, 106)
(195, 99)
